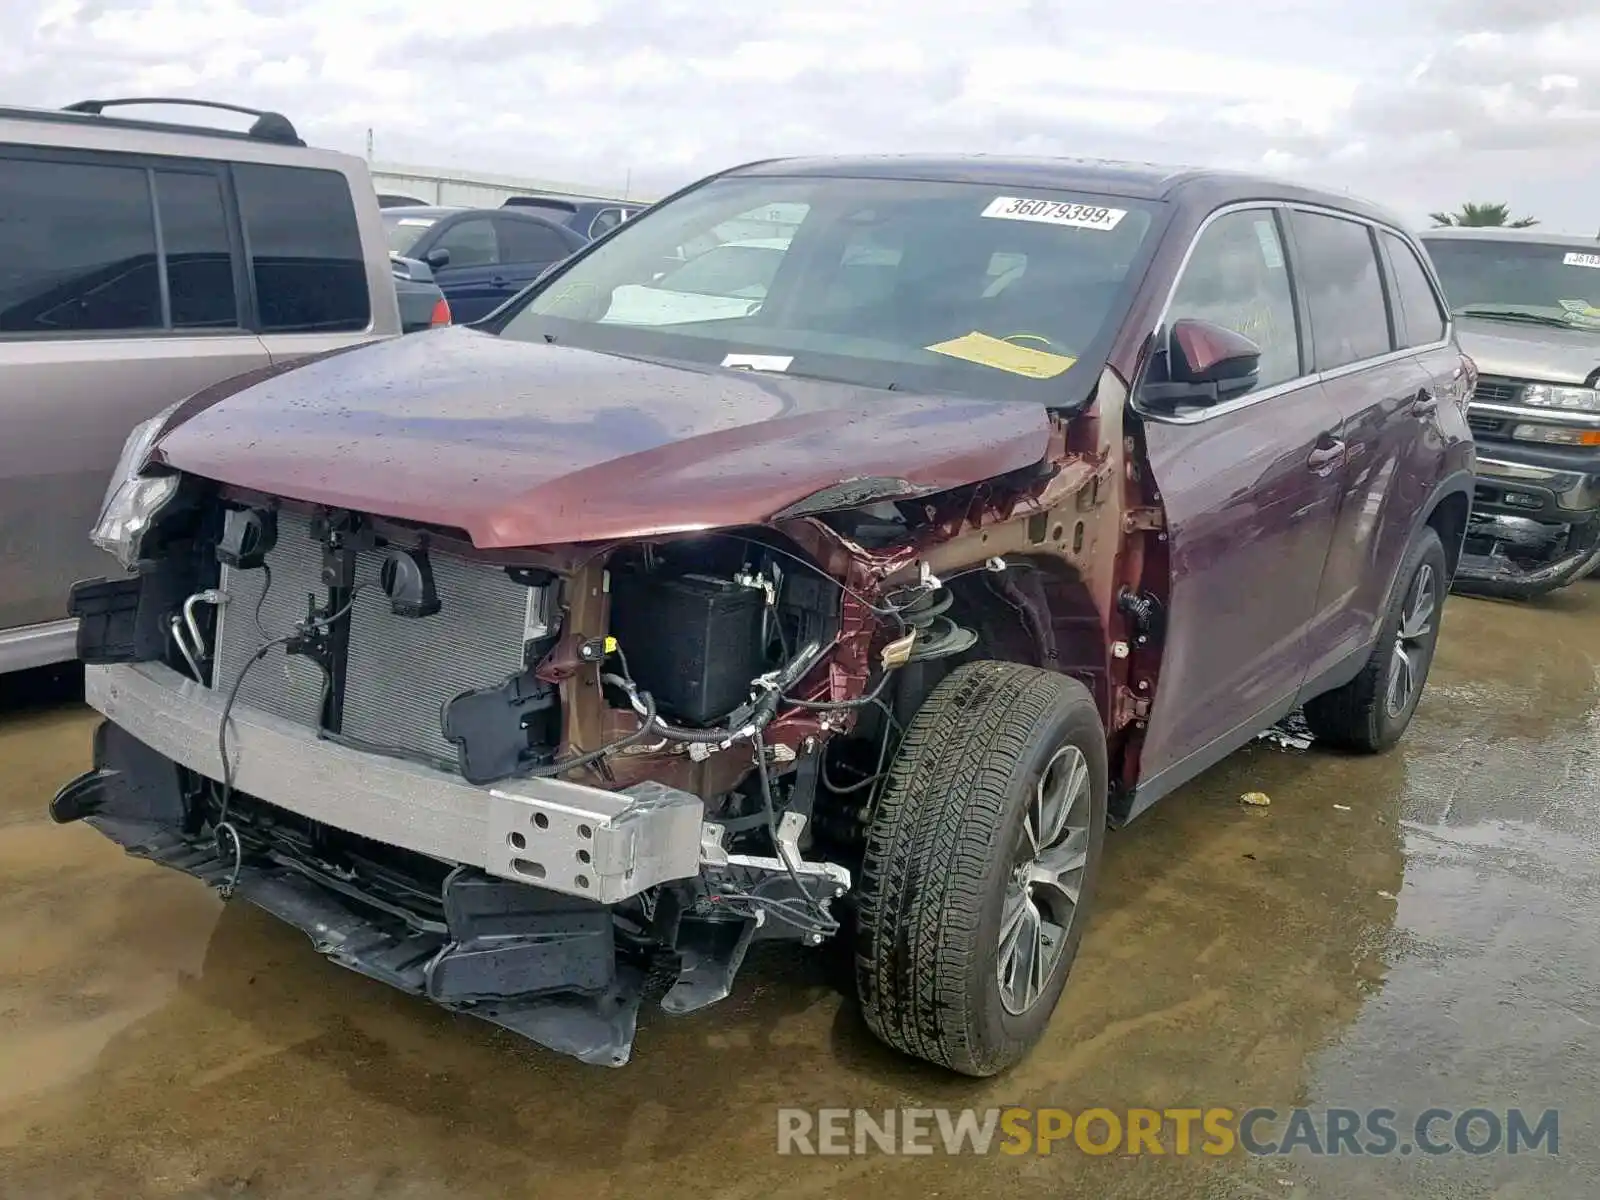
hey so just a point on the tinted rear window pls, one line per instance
(77, 249)
(1344, 290)
(556, 208)
(305, 249)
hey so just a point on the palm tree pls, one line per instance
(1482, 214)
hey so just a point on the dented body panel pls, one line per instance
(529, 445)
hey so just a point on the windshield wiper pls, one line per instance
(1512, 314)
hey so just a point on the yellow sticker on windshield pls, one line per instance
(995, 352)
(1581, 312)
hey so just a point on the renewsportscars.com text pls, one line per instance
(1216, 1131)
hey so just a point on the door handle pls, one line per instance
(1325, 456)
(500, 281)
(1424, 402)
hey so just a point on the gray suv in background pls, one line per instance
(1527, 309)
(141, 261)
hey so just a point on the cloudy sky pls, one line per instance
(1418, 103)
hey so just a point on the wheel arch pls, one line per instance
(1447, 513)
(1038, 612)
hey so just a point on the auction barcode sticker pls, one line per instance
(1577, 259)
(758, 362)
(1054, 212)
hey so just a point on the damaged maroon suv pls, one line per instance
(831, 551)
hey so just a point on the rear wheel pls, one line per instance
(980, 866)
(1370, 712)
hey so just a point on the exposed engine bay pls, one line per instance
(676, 743)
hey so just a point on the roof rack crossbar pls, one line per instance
(268, 126)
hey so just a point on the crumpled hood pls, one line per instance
(526, 444)
(1529, 351)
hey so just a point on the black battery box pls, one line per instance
(694, 642)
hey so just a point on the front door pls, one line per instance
(1250, 489)
(472, 281)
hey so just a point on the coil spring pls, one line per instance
(937, 636)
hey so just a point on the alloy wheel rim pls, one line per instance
(1408, 660)
(1041, 898)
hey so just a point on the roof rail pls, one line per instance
(267, 127)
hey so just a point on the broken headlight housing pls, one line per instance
(132, 498)
(1556, 396)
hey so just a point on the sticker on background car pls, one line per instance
(1581, 312)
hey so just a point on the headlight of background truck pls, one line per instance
(1550, 395)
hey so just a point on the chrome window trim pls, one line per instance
(1362, 364)
(1300, 381)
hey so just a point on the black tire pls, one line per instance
(1358, 716)
(940, 870)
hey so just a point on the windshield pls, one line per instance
(958, 287)
(1511, 280)
(405, 232)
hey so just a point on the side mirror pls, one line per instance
(436, 258)
(1205, 364)
(413, 269)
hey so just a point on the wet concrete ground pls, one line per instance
(1438, 943)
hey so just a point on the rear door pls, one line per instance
(527, 247)
(1424, 324)
(107, 315)
(1250, 489)
(469, 279)
(1381, 392)
(311, 290)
